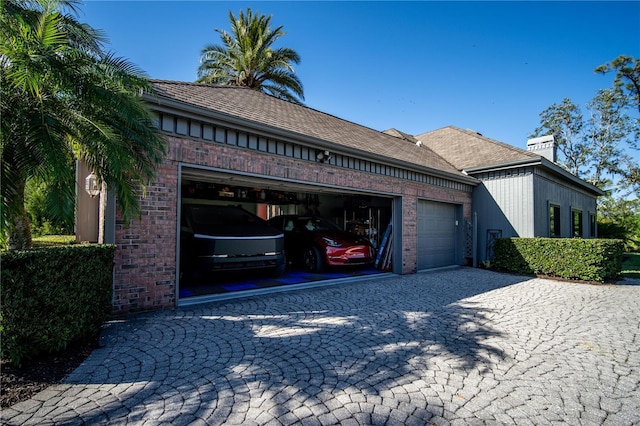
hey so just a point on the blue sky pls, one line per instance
(415, 66)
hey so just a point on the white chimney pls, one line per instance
(545, 146)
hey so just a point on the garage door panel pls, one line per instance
(436, 234)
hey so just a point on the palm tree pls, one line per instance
(64, 98)
(248, 59)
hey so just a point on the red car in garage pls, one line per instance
(316, 242)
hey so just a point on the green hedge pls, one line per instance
(52, 297)
(570, 258)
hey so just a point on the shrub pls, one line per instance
(53, 240)
(573, 259)
(52, 297)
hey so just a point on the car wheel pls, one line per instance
(313, 259)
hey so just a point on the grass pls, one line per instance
(631, 265)
(53, 240)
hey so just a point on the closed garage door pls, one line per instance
(436, 234)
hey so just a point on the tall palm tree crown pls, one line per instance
(247, 58)
(64, 98)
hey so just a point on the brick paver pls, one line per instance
(453, 347)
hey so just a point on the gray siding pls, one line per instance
(551, 191)
(504, 206)
(515, 203)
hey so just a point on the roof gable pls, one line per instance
(262, 109)
(466, 149)
(470, 151)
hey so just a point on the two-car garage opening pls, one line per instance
(240, 232)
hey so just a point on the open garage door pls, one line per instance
(436, 234)
(216, 255)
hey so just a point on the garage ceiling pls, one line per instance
(200, 175)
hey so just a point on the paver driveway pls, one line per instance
(462, 346)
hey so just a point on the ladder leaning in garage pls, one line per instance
(383, 258)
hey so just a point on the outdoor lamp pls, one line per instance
(323, 156)
(91, 185)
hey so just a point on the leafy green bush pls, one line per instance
(53, 240)
(52, 297)
(573, 259)
(619, 218)
(631, 265)
(50, 211)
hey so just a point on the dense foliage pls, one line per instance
(52, 297)
(569, 258)
(619, 218)
(602, 146)
(48, 213)
(65, 98)
(597, 147)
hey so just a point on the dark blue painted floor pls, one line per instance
(247, 280)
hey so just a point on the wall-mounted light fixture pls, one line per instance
(323, 156)
(91, 185)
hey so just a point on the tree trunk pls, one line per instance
(19, 237)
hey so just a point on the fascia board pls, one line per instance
(562, 172)
(547, 164)
(172, 106)
(503, 166)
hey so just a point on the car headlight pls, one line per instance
(330, 242)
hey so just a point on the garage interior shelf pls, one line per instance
(210, 191)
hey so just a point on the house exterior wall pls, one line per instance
(516, 203)
(549, 190)
(504, 206)
(87, 208)
(145, 269)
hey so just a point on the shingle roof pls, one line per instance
(262, 109)
(466, 149)
(402, 135)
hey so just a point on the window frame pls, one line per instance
(555, 214)
(578, 228)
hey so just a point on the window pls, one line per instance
(554, 221)
(577, 223)
(592, 225)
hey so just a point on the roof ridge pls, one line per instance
(503, 144)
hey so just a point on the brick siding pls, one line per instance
(145, 270)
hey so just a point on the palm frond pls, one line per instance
(65, 98)
(247, 58)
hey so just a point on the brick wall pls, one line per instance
(145, 270)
